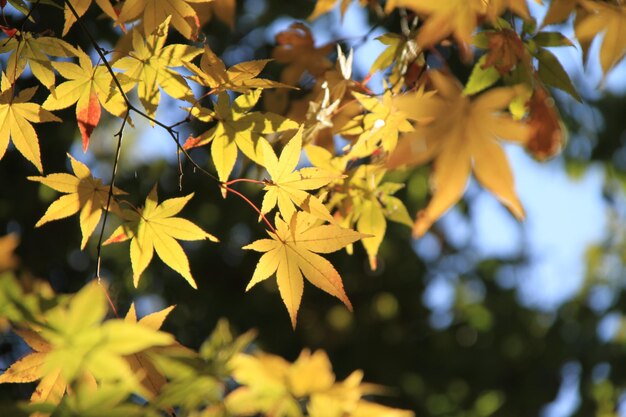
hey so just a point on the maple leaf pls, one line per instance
(84, 193)
(461, 137)
(29, 368)
(610, 20)
(224, 10)
(458, 18)
(237, 128)
(547, 134)
(81, 7)
(241, 77)
(75, 343)
(381, 125)
(296, 48)
(154, 227)
(366, 204)
(325, 6)
(287, 187)
(141, 364)
(559, 11)
(16, 116)
(150, 65)
(27, 49)
(154, 12)
(445, 17)
(292, 252)
(90, 88)
(270, 385)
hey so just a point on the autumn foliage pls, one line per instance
(321, 145)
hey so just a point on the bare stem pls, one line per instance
(247, 200)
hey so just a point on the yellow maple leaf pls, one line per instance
(154, 228)
(90, 88)
(241, 77)
(76, 343)
(272, 386)
(51, 386)
(381, 125)
(325, 6)
(84, 193)
(287, 187)
(16, 116)
(27, 49)
(154, 12)
(610, 20)
(151, 379)
(224, 10)
(150, 65)
(462, 137)
(366, 204)
(237, 128)
(458, 18)
(292, 253)
(559, 11)
(81, 7)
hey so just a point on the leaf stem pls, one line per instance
(231, 182)
(247, 200)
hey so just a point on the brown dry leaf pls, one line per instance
(463, 136)
(547, 136)
(506, 50)
(296, 48)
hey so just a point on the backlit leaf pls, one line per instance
(89, 87)
(241, 77)
(287, 187)
(150, 65)
(84, 193)
(609, 20)
(463, 137)
(154, 228)
(292, 254)
(16, 116)
(154, 12)
(238, 128)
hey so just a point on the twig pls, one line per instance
(118, 151)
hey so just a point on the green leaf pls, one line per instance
(481, 77)
(547, 39)
(552, 73)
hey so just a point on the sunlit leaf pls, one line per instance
(292, 254)
(150, 65)
(287, 187)
(463, 136)
(16, 116)
(154, 228)
(83, 193)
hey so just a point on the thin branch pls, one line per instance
(247, 200)
(131, 107)
(118, 151)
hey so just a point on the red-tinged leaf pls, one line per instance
(192, 142)
(88, 113)
(547, 135)
(10, 32)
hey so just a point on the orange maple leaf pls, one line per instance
(461, 135)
